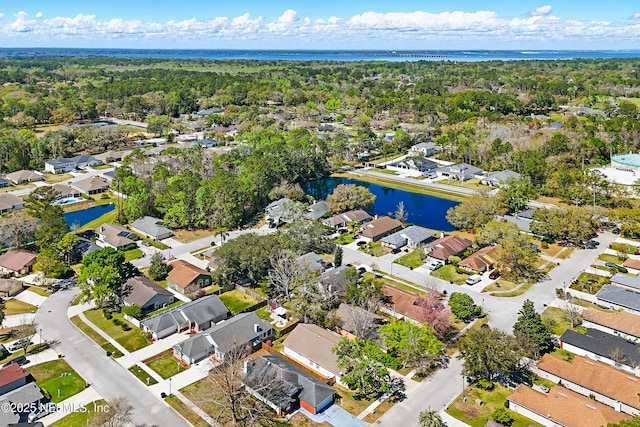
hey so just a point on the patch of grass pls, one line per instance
(345, 399)
(132, 339)
(470, 183)
(345, 239)
(156, 244)
(14, 306)
(394, 283)
(40, 291)
(563, 354)
(449, 273)
(162, 283)
(387, 171)
(374, 248)
(166, 366)
(611, 258)
(92, 225)
(54, 178)
(81, 418)
(132, 254)
(186, 236)
(555, 318)
(519, 291)
(204, 393)
(186, 412)
(565, 252)
(16, 187)
(101, 167)
(379, 411)
(236, 300)
(623, 247)
(142, 375)
(589, 283)
(57, 379)
(413, 259)
(77, 300)
(96, 337)
(500, 285)
(169, 307)
(475, 415)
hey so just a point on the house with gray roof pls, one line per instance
(419, 164)
(282, 386)
(144, 293)
(461, 171)
(317, 210)
(245, 330)
(411, 236)
(626, 281)
(93, 185)
(425, 149)
(193, 316)
(619, 297)
(496, 179)
(63, 164)
(114, 236)
(4, 182)
(599, 345)
(18, 403)
(151, 228)
(10, 202)
(66, 191)
(309, 263)
(334, 280)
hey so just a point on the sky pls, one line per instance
(327, 24)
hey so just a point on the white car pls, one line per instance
(472, 280)
(435, 265)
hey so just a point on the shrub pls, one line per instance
(454, 260)
(485, 384)
(545, 245)
(463, 307)
(133, 310)
(126, 327)
(117, 322)
(502, 416)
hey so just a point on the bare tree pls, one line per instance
(285, 273)
(119, 414)
(401, 213)
(360, 321)
(618, 355)
(572, 312)
(24, 332)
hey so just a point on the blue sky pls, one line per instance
(328, 24)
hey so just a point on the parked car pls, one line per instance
(361, 243)
(361, 270)
(472, 280)
(616, 230)
(435, 265)
(145, 243)
(395, 251)
(20, 360)
(494, 275)
(17, 345)
(609, 264)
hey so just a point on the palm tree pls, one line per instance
(430, 418)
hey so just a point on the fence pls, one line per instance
(250, 292)
(133, 320)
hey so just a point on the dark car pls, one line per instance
(395, 251)
(494, 275)
(611, 265)
(361, 270)
(20, 360)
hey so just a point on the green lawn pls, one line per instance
(590, 283)
(132, 254)
(92, 225)
(470, 183)
(623, 247)
(555, 318)
(500, 285)
(166, 366)
(375, 249)
(88, 331)
(204, 393)
(413, 259)
(16, 187)
(345, 239)
(611, 258)
(186, 412)
(132, 339)
(14, 306)
(58, 379)
(54, 178)
(449, 273)
(236, 300)
(475, 415)
(77, 299)
(81, 418)
(394, 283)
(40, 291)
(142, 375)
(169, 307)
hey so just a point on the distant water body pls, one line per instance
(328, 55)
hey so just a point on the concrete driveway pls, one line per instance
(336, 416)
(30, 298)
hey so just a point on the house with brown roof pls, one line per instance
(17, 261)
(310, 345)
(593, 379)
(562, 407)
(148, 295)
(402, 304)
(632, 264)
(620, 323)
(379, 228)
(480, 261)
(186, 278)
(114, 236)
(93, 185)
(10, 287)
(12, 377)
(10, 202)
(444, 247)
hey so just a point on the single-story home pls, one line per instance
(109, 175)
(618, 297)
(12, 377)
(603, 347)
(461, 171)
(19, 403)
(620, 323)
(245, 330)
(66, 191)
(111, 156)
(317, 210)
(420, 164)
(284, 387)
(10, 287)
(186, 278)
(10, 202)
(359, 322)
(309, 263)
(344, 219)
(4, 182)
(379, 228)
(632, 264)
(311, 345)
(193, 316)
(63, 164)
(562, 407)
(17, 261)
(94, 185)
(114, 236)
(148, 295)
(425, 149)
(444, 247)
(480, 261)
(496, 179)
(608, 385)
(626, 281)
(411, 237)
(334, 280)
(273, 208)
(402, 304)
(23, 175)
(151, 228)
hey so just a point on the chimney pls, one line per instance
(256, 328)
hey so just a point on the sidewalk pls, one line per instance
(72, 404)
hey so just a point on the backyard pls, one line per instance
(131, 339)
(57, 379)
(165, 365)
(236, 300)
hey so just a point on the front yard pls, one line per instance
(132, 254)
(126, 334)
(590, 283)
(14, 306)
(96, 337)
(86, 416)
(375, 249)
(165, 366)
(142, 375)
(413, 259)
(449, 273)
(57, 379)
(236, 300)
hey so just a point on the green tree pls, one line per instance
(410, 342)
(488, 354)
(51, 264)
(530, 326)
(502, 416)
(430, 418)
(463, 307)
(350, 196)
(102, 276)
(158, 268)
(66, 245)
(133, 310)
(517, 192)
(474, 212)
(517, 258)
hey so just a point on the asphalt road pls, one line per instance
(109, 378)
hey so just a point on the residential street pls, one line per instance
(108, 378)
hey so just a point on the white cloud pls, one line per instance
(541, 11)
(636, 16)
(368, 29)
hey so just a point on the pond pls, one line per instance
(85, 216)
(424, 210)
